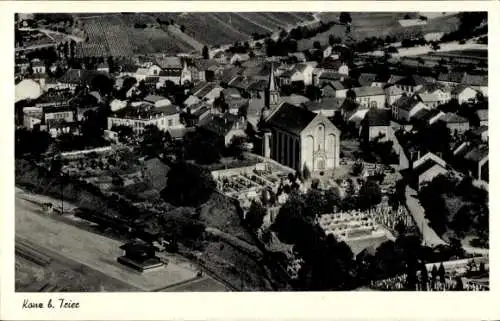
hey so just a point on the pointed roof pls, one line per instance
(272, 84)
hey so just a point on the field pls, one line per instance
(381, 24)
(115, 35)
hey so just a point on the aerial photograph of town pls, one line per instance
(251, 151)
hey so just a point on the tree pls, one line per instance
(434, 274)
(424, 276)
(237, 146)
(459, 286)
(205, 52)
(103, 84)
(153, 140)
(316, 45)
(351, 95)
(306, 173)
(183, 28)
(203, 147)
(188, 185)
(441, 272)
(255, 215)
(345, 18)
(369, 194)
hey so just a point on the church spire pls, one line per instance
(272, 84)
(272, 94)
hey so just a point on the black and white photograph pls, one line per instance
(250, 151)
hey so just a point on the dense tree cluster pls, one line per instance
(188, 185)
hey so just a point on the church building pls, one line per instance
(297, 137)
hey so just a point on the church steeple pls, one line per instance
(273, 94)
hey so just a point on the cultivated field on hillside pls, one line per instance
(219, 28)
(115, 35)
(381, 24)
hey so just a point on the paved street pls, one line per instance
(430, 238)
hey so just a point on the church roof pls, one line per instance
(291, 118)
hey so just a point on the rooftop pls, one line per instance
(368, 91)
(453, 118)
(145, 111)
(169, 62)
(291, 118)
(326, 103)
(378, 117)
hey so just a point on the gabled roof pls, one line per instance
(394, 91)
(368, 91)
(431, 87)
(421, 114)
(428, 97)
(330, 75)
(291, 118)
(204, 64)
(406, 102)
(332, 64)
(453, 118)
(427, 165)
(378, 117)
(326, 103)
(394, 79)
(220, 125)
(459, 89)
(477, 154)
(413, 80)
(337, 85)
(154, 98)
(366, 79)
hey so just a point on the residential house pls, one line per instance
(174, 70)
(142, 73)
(426, 169)
(157, 100)
(472, 158)
(60, 128)
(225, 127)
(294, 99)
(55, 98)
(221, 57)
(335, 65)
(191, 101)
(298, 138)
(412, 84)
(202, 70)
(405, 107)
(463, 94)
(367, 79)
(370, 97)
(239, 57)
(38, 66)
(434, 94)
(103, 67)
(333, 89)
(32, 116)
(481, 133)
(324, 77)
(327, 106)
(231, 92)
(457, 124)
(53, 115)
(302, 72)
(482, 114)
(377, 125)
(425, 117)
(476, 82)
(138, 117)
(298, 55)
(75, 77)
(22, 65)
(392, 94)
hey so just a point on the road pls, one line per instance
(430, 238)
(94, 250)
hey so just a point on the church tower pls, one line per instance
(272, 94)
